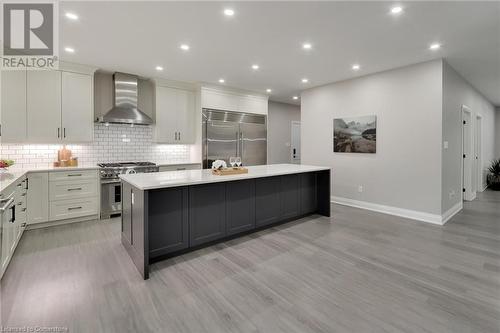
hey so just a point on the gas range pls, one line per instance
(111, 186)
(111, 171)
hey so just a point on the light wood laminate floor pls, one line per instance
(359, 271)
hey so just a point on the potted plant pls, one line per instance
(493, 178)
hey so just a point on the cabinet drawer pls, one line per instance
(72, 189)
(66, 209)
(72, 175)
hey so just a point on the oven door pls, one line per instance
(111, 201)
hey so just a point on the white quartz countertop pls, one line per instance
(149, 181)
(13, 174)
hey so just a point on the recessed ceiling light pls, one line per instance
(228, 12)
(268, 90)
(356, 67)
(184, 47)
(255, 67)
(159, 68)
(71, 16)
(304, 80)
(222, 80)
(69, 49)
(435, 46)
(307, 46)
(396, 10)
(295, 97)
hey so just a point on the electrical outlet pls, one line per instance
(360, 188)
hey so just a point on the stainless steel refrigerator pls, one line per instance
(227, 134)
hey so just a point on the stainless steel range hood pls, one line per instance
(125, 110)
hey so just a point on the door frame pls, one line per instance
(467, 193)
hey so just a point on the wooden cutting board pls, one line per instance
(229, 171)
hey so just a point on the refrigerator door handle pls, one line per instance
(238, 152)
(241, 146)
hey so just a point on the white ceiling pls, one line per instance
(135, 37)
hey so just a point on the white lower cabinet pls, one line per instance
(73, 189)
(58, 195)
(73, 194)
(44, 197)
(12, 220)
(38, 197)
(66, 209)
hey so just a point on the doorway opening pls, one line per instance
(295, 143)
(471, 154)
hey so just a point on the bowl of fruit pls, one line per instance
(4, 164)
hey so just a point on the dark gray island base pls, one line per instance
(160, 223)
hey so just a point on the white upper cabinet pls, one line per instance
(47, 106)
(13, 113)
(174, 115)
(216, 98)
(185, 116)
(77, 107)
(43, 106)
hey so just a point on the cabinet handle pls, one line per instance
(179, 136)
(58, 132)
(64, 132)
(75, 175)
(175, 135)
(13, 218)
(7, 204)
(75, 189)
(73, 208)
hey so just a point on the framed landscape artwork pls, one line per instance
(355, 135)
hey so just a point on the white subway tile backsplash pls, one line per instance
(113, 143)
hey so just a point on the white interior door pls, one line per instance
(478, 165)
(468, 152)
(295, 142)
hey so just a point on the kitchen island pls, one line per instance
(169, 213)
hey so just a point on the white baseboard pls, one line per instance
(61, 222)
(452, 212)
(406, 213)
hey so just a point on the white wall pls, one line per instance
(405, 173)
(458, 92)
(497, 131)
(280, 117)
